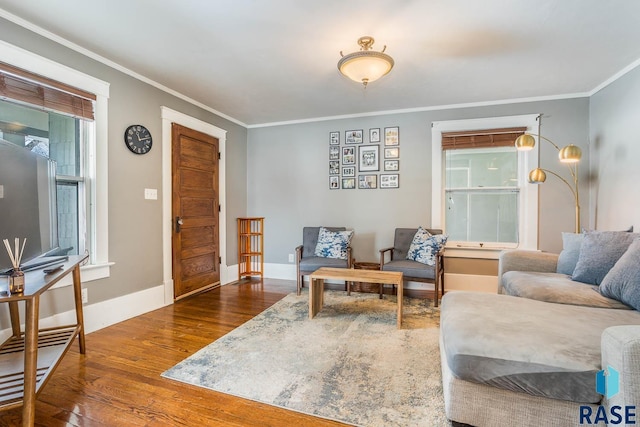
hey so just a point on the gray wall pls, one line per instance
(135, 234)
(288, 177)
(615, 150)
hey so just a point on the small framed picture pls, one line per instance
(353, 137)
(367, 182)
(348, 171)
(334, 182)
(374, 135)
(334, 138)
(334, 152)
(368, 156)
(391, 165)
(348, 183)
(334, 167)
(389, 180)
(392, 153)
(392, 136)
(348, 155)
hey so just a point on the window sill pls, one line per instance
(88, 273)
(475, 252)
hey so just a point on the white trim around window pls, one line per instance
(97, 163)
(528, 224)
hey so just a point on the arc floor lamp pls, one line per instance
(569, 155)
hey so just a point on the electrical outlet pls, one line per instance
(85, 295)
(290, 257)
(1, 191)
(151, 194)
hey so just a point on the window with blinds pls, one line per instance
(481, 186)
(54, 120)
(36, 91)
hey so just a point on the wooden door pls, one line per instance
(195, 207)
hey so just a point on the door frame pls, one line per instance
(171, 116)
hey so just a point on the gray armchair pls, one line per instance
(307, 262)
(412, 270)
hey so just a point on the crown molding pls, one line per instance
(431, 108)
(88, 53)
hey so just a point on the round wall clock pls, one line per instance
(137, 138)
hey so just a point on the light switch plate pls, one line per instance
(1, 191)
(150, 194)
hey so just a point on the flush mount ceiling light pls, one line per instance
(366, 65)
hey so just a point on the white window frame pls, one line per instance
(527, 160)
(479, 190)
(96, 164)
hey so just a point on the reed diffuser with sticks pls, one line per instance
(16, 278)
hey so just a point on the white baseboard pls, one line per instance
(106, 313)
(470, 282)
(110, 312)
(232, 273)
(280, 271)
(271, 271)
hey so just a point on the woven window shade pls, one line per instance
(485, 138)
(38, 91)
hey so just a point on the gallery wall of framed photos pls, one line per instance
(361, 160)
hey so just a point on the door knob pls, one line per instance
(179, 222)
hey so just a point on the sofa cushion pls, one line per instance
(527, 346)
(556, 288)
(333, 244)
(424, 247)
(411, 269)
(599, 251)
(622, 282)
(570, 253)
(313, 263)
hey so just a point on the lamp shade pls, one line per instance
(525, 142)
(537, 176)
(366, 65)
(570, 154)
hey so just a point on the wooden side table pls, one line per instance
(22, 380)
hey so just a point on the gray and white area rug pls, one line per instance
(350, 363)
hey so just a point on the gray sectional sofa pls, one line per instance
(529, 355)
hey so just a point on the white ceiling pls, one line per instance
(272, 61)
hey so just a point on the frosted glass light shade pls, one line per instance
(366, 65)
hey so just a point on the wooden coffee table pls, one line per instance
(317, 278)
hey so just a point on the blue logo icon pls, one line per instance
(608, 382)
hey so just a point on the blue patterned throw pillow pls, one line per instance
(333, 244)
(425, 246)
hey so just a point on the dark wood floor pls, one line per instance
(118, 383)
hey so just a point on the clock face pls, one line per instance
(138, 139)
